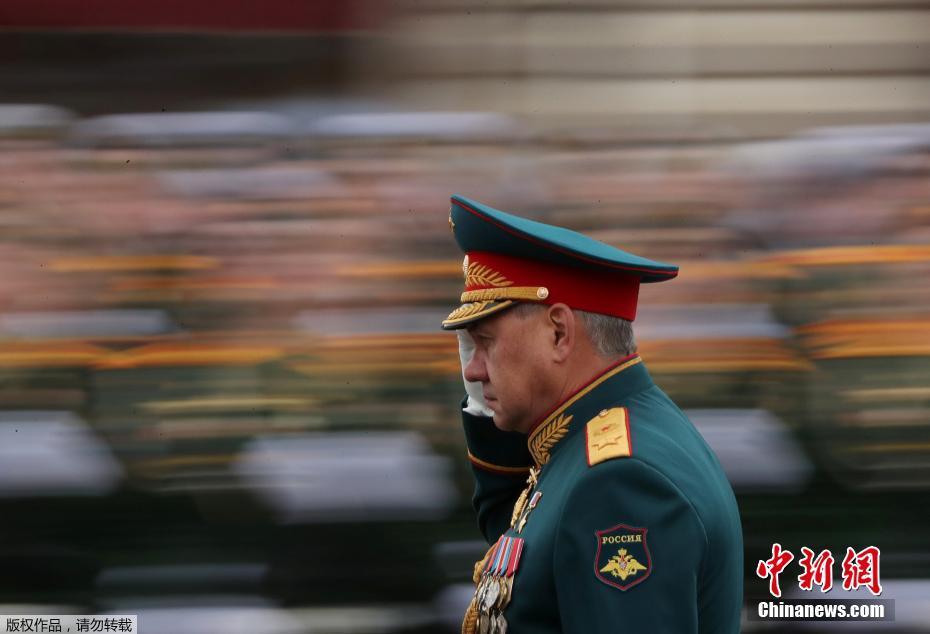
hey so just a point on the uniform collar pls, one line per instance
(609, 388)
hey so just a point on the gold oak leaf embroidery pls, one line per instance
(482, 275)
(623, 565)
(548, 437)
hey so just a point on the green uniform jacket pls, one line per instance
(647, 539)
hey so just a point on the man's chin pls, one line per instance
(503, 423)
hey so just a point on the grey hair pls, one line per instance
(611, 336)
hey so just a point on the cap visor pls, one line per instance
(473, 311)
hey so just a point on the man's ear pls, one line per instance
(561, 324)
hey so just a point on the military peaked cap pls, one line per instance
(511, 259)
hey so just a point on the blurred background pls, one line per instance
(225, 402)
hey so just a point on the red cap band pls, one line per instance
(604, 291)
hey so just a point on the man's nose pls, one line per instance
(475, 370)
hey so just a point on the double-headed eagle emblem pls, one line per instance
(623, 565)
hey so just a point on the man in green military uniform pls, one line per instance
(605, 508)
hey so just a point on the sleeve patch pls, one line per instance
(622, 560)
(608, 436)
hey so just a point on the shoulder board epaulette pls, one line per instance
(608, 436)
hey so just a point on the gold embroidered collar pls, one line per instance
(554, 427)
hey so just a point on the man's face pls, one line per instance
(511, 364)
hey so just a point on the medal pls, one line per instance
(502, 598)
(485, 602)
(495, 584)
(501, 624)
(494, 591)
(485, 584)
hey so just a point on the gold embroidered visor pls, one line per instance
(473, 311)
(488, 291)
